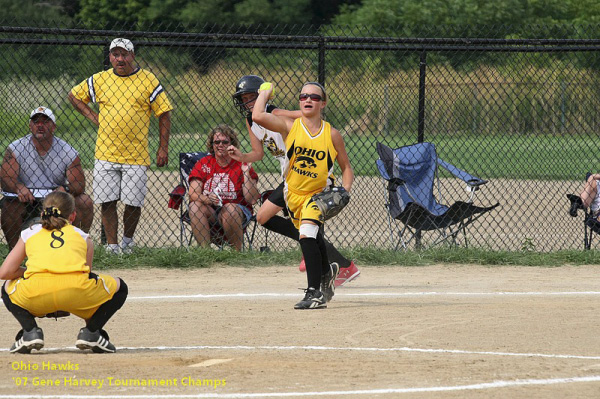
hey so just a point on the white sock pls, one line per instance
(113, 247)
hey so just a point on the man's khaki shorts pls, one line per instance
(115, 181)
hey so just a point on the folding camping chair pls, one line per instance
(591, 224)
(263, 197)
(411, 173)
(179, 201)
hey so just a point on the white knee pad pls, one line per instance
(309, 230)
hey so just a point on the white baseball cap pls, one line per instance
(123, 43)
(44, 111)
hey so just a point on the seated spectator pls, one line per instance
(588, 198)
(222, 191)
(34, 166)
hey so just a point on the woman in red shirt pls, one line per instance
(222, 191)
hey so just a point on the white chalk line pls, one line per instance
(327, 348)
(480, 386)
(242, 295)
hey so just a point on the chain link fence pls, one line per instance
(521, 113)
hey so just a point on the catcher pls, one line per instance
(58, 279)
(312, 145)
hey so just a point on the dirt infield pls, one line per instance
(439, 331)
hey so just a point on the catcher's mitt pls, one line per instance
(331, 202)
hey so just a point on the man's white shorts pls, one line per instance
(116, 181)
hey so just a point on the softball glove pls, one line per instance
(331, 202)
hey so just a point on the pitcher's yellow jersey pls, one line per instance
(55, 251)
(310, 158)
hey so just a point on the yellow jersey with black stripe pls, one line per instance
(55, 251)
(126, 104)
(311, 157)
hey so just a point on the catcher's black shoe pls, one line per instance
(97, 341)
(25, 341)
(313, 299)
(328, 281)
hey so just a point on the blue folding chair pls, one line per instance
(415, 196)
(177, 197)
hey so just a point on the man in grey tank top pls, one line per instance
(36, 165)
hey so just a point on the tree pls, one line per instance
(519, 14)
(110, 13)
(432, 13)
(21, 11)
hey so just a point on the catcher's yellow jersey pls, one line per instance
(126, 103)
(55, 251)
(310, 158)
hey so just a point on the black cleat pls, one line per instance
(328, 281)
(313, 299)
(97, 341)
(25, 341)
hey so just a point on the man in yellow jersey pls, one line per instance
(312, 146)
(126, 95)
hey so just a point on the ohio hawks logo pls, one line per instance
(306, 162)
(306, 159)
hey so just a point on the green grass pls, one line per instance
(498, 156)
(195, 258)
(201, 258)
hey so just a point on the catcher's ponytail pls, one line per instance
(57, 208)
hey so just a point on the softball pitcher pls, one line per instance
(312, 146)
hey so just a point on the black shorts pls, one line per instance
(276, 197)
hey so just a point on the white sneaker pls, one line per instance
(127, 248)
(112, 249)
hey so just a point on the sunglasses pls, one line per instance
(218, 142)
(314, 97)
(40, 118)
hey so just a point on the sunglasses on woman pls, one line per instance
(314, 97)
(218, 142)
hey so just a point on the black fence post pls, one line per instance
(106, 61)
(322, 60)
(422, 72)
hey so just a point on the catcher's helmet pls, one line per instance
(247, 84)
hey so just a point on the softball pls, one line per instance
(267, 86)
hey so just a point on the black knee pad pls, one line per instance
(122, 292)
(25, 319)
(5, 298)
(108, 308)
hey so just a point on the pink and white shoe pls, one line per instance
(347, 274)
(302, 266)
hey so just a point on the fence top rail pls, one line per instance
(317, 38)
(304, 46)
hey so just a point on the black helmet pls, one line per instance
(247, 84)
